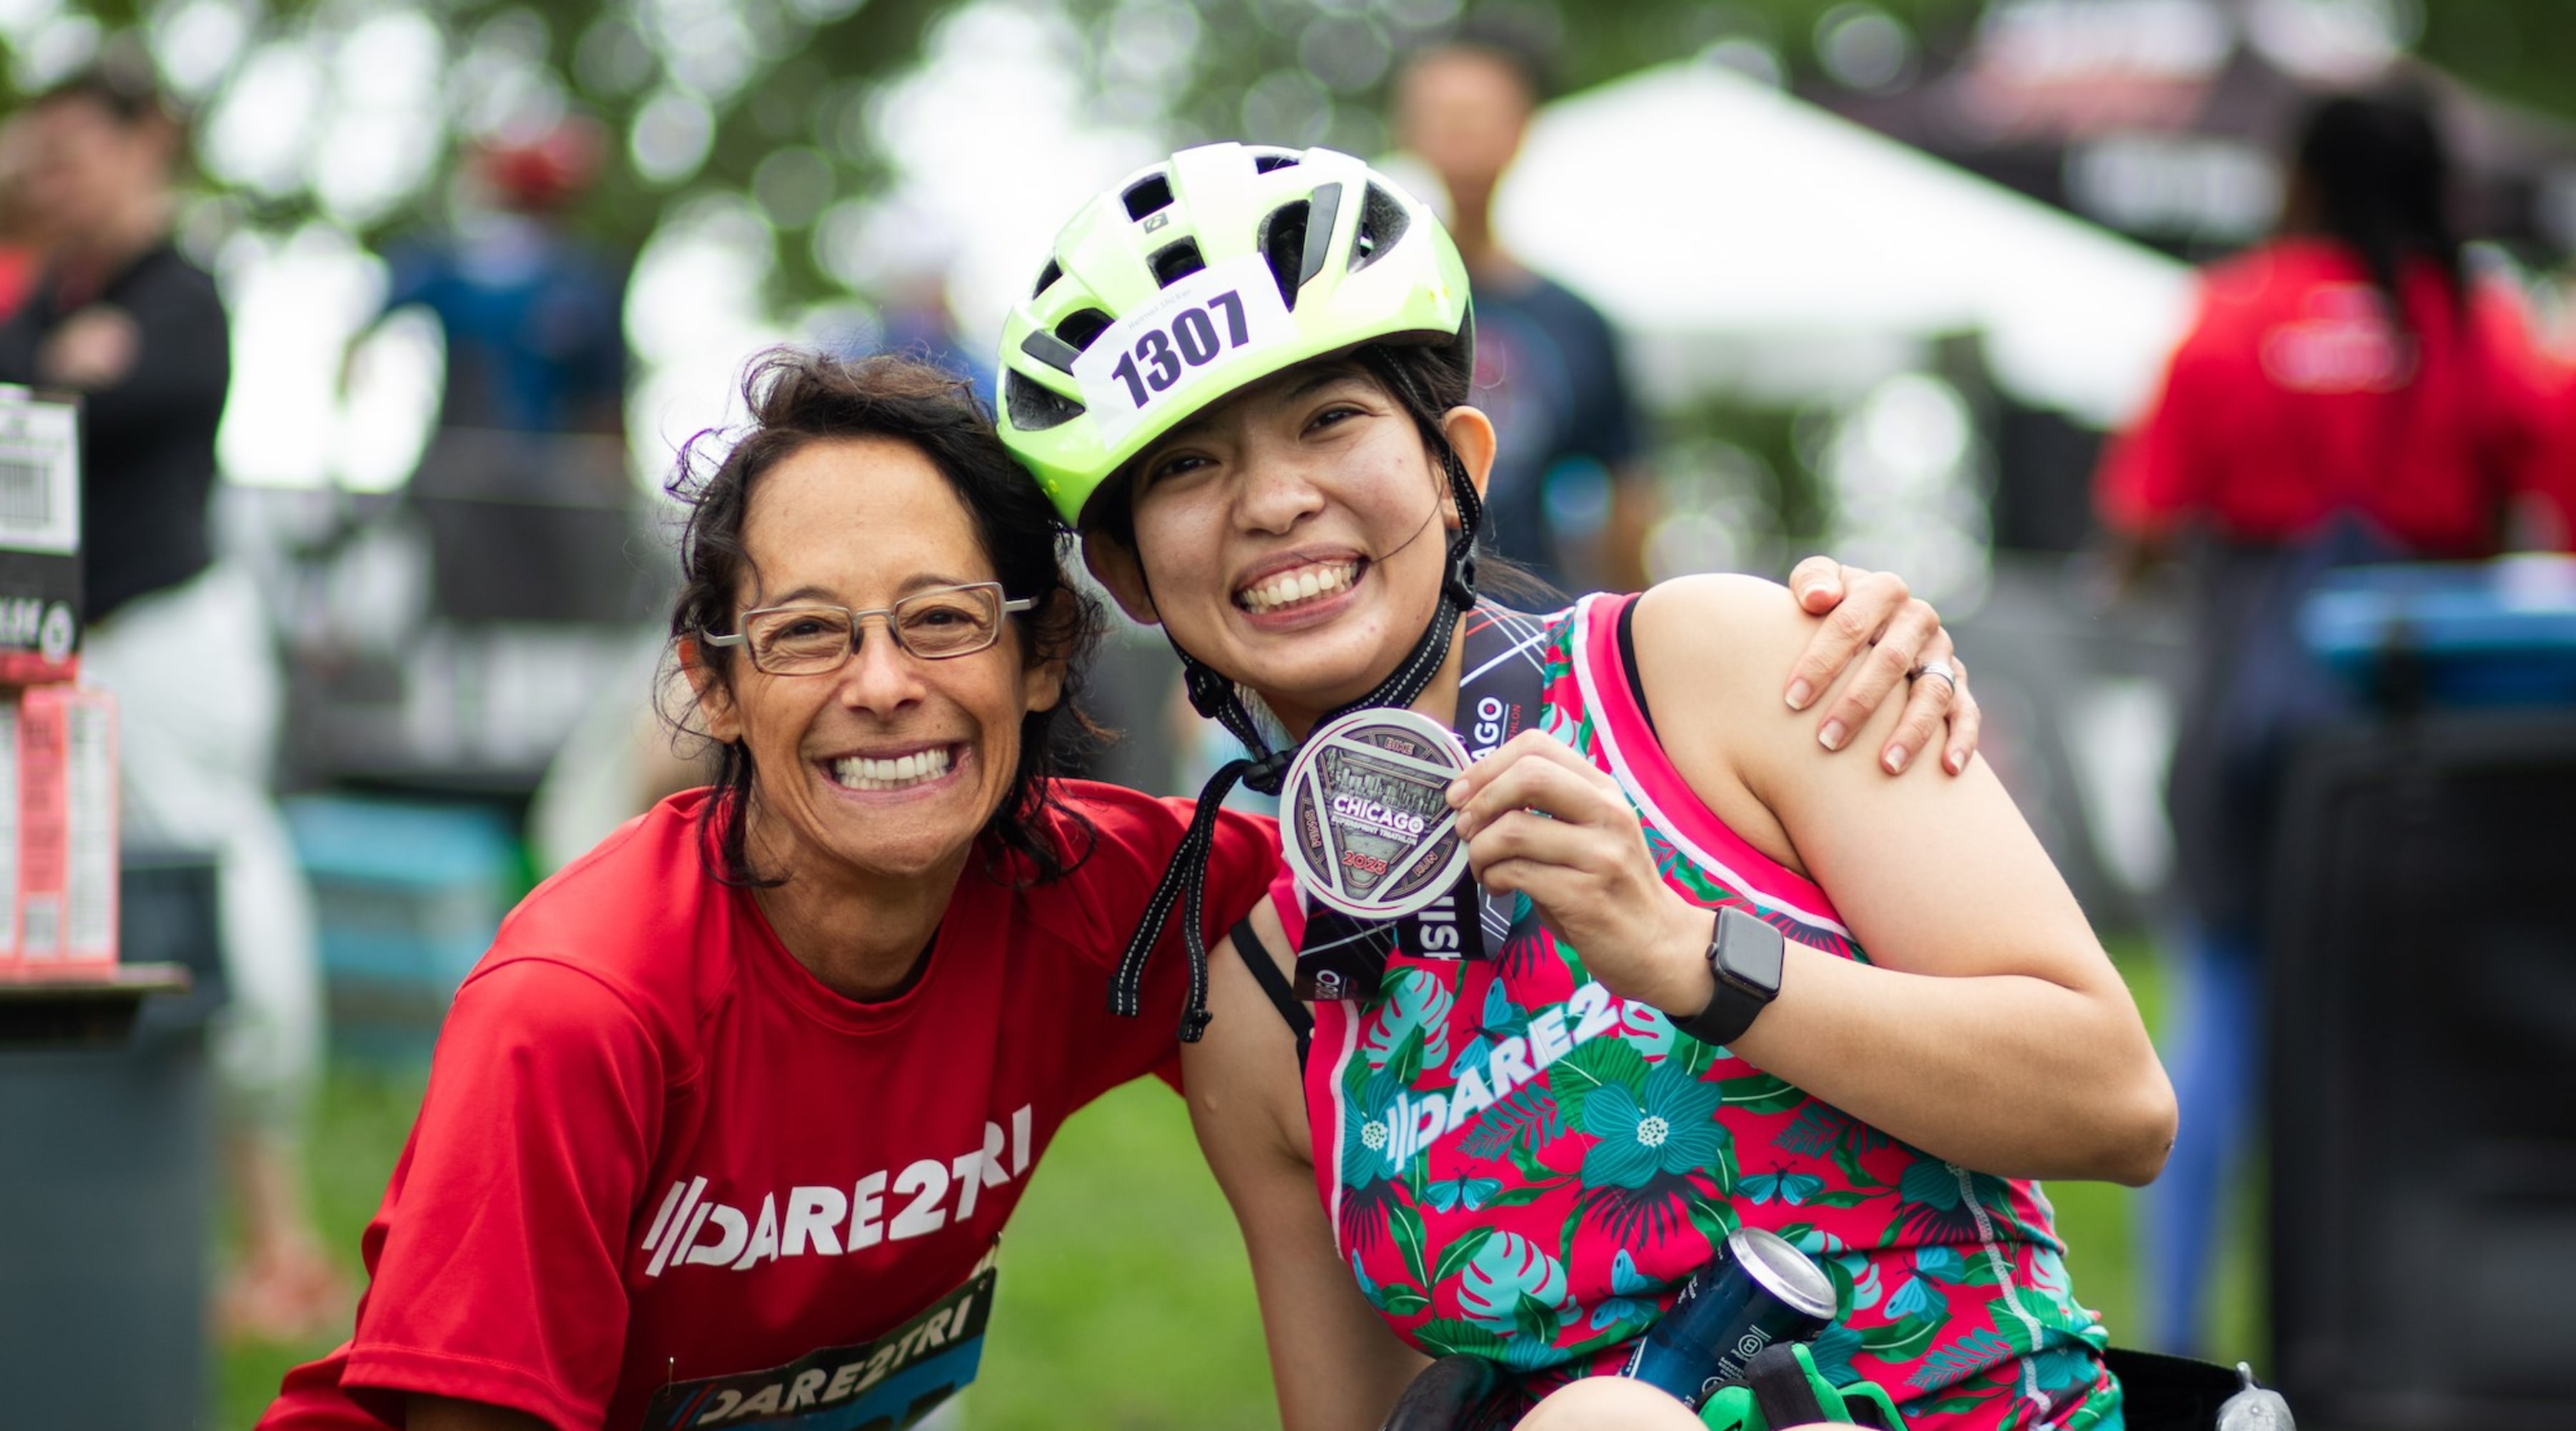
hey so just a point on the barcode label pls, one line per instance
(26, 492)
(39, 474)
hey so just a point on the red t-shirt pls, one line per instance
(2291, 399)
(655, 1149)
(2555, 479)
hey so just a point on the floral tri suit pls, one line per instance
(1520, 1166)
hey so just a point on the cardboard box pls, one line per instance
(66, 829)
(40, 538)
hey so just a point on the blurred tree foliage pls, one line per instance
(1316, 70)
(759, 77)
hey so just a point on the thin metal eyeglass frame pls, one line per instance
(857, 626)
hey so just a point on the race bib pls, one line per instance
(1149, 359)
(882, 1385)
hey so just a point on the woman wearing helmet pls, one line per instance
(1244, 373)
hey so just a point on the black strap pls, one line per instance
(1628, 662)
(1265, 972)
(1781, 1388)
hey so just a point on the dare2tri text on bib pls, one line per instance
(882, 1385)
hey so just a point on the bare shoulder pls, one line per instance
(1719, 647)
(1692, 618)
(1713, 653)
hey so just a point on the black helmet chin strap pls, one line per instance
(1218, 699)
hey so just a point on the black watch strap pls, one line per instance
(1744, 955)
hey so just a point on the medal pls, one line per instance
(1365, 818)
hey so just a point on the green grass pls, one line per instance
(1125, 1301)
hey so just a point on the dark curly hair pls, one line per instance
(797, 398)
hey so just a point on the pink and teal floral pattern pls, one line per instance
(1522, 1167)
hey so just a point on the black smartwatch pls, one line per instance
(1744, 956)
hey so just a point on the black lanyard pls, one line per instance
(1500, 685)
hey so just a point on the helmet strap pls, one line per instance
(1217, 698)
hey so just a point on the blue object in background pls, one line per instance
(407, 897)
(2499, 633)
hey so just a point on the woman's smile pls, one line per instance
(1300, 583)
(901, 770)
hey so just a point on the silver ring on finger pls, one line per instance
(1948, 673)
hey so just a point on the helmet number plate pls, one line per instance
(1203, 324)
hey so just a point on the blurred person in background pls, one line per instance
(1548, 366)
(920, 325)
(908, 254)
(532, 315)
(2345, 395)
(119, 316)
(531, 512)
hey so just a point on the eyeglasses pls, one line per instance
(934, 625)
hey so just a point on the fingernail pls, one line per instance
(1800, 693)
(1457, 790)
(1896, 761)
(1832, 735)
(1958, 761)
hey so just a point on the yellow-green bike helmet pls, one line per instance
(1188, 282)
(1200, 275)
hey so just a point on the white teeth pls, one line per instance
(1289, 588)
(861, 772)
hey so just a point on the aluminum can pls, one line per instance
(1758, 1291)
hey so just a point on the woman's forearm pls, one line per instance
(2006, 1073)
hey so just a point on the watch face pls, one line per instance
(1750, 952)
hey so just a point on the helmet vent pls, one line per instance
(1051, 350)
(1078, 328)
(1264, 161)
(1035, 408)
(1047, 277)
(1283, 246)
(1382, 222)
(1176, 261)
(1149, 195)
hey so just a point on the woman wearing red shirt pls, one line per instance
(2345, 395)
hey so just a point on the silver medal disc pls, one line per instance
(1364, 817)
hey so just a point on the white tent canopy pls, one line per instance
(1745, 238)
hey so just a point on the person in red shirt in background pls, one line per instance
(2345, 395)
